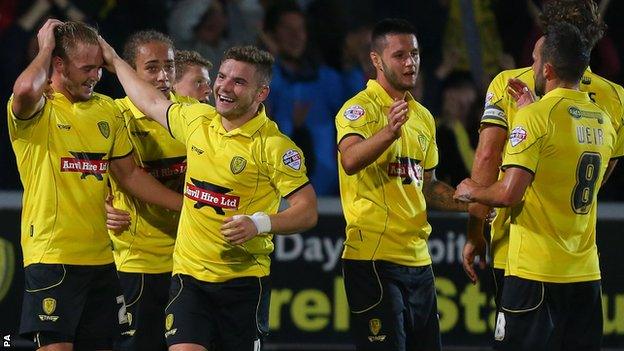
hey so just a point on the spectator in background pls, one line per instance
(357, 68)
(210, 27)
(192, 75)
(471, 30)
(457, 126)
(305, 95)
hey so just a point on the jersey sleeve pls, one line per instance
(182, 117)
(355, 118)
(495, 102)
(122, 146)
(431, 156)
(22, 128)
(618, 125)
(285, 165)
(525, 140)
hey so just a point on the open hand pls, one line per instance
(520, 92)
(109, 54)
(45, 36)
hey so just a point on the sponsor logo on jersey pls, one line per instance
(197, 150)
(212, 195)
(292, 159)
(517, 136)
(63, 126)
(166, 168)
(407, 168)
(577, 113)
(86, 163)
(354, 112)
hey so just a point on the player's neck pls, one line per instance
(394, 93)
(233, 122)
(59, 88)
(557, 83)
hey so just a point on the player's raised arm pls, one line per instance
(146, 97)
(30, 85)
(357, 153)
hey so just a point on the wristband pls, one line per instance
(260, 219)
(262, 222)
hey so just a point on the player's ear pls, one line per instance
(376, 60)
(57, 64)
(548, 70)
(263, 93)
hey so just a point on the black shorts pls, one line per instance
(146, 297)
(82, 305)
(540, 316)
(228, 316)
(498, 275)
(393, 307)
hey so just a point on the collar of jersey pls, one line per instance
(58, 96)
(385, 98)
(136, 113)
(248, 129)
(568, 93)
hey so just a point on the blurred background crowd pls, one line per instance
(322, 59)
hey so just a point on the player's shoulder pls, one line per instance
(594, 81)
(524, 74)
(362, 106)
(184, 99)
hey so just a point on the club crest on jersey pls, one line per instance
(423, 141)
(237, 164)
(292, 159)
(104, 128)
(517, 136)
(354, 112)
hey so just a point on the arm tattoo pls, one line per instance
(439, 195)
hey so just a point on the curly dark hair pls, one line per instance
(583, 14)
(136, 39)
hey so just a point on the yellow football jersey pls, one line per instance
(500, 109)
(147, 246)
(566, 141)
(383, 203)
(243, 171)
(63, 155)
